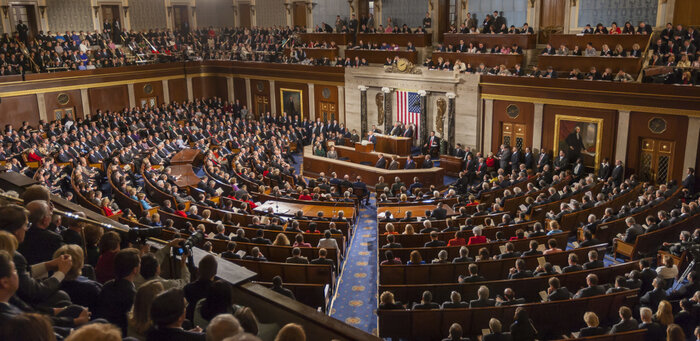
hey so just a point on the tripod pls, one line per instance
(687, 271)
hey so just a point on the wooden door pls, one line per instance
(244, 14)
(181, 18)
(513, 135)
(112, 14)
(552, 17)
(656, 160)
(686, 12)
(443, 18)
(328, 111)
(300, 14)
(363, 12)
(262, 105)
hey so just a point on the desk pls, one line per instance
(567, 63)
(489, 59)
(313, 165)
(338, 38)
(400, 39)
(371, 157)
(417, 211)
(524, 41)
(380, 56)
(627, 41)
(309, 210)
(393, 144)
(181, 165)
(451, 164)
(366, 148)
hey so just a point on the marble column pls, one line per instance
(423, 117)
(451, 120)
(190, 91)
(273, 98)
(249, 95)
(488, 124)
(132, 94)
(537, 127)
(312, 102)
(341, 105)
(85, 99)
(692, 142)
(229, 87)
(41, 104)
(623, 125)
(166, 91)
(388, 115)
(363, 111)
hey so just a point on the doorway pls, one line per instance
(300, 14)
(513, 135)
(244, 14)
(25, 14)
(181, 19)
(656, 160)
(111, 15)
(552, 17)
(262, 105)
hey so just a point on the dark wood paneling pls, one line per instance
(500, 116)
(140, 92)
(552, 13)
(299, 14)
(177, 89)
(296, 86)
(686, 12)
(332, 98)
(112, 98)
(259, 88)
(676, 131)
(74, 101)
(14, 110)
(239, 91)
(609, 126)
(244, 14)
(206, 87)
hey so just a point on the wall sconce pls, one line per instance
(5, 8)
(194, 9)
(126, 10)
(42, 10)
(97, 9)
(170, 10)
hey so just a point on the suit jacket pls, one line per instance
(617, 175)
(590, 291)
(498, 337)
(394, 165)
(439, 214)
(115, 301)
(542, 159)
(173, 334)
(381, 163)
(652, 298)
(482, 303)
(560, 294)
(561, 162)
(593, 265)
(411, 164)
(624, 326)
(39, 245)
(604, 172)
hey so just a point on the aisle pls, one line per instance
(355, 299)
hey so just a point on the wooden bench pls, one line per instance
(550, 318)
(572, 221)
(564, 64)
(313, 295)
(524, 41)
(649, 243)
(597, 40)
(430, 253)
(419, 239)
(290, 273)
(633, 335)
(490, 269)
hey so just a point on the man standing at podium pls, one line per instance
(371, 138)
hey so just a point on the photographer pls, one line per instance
(151, 264)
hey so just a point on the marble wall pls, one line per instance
(147, 14)
(327, 10)
(270, 13)
(515, 11)
(69, 15)
(436, 83)
(606, 11)
(215, 13)
(409, 12)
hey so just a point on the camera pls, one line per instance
(195, 239)
(139, 236)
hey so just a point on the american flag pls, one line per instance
(408, 104)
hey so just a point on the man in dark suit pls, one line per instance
(410, 163)
(408, 132)
(593, 261)
(689, 181)
(381, 163)
(561, 162)
(617, 173)
(167, 313)
(396, 130)
(427, 163)
(483, 299)
(473, 275)
(426, 302)
(519, 271)
(39, 243)
(542, 159)
(516, 158)
(277, 286)
(573, 264)
(455, 301)
(433, 144)
(394, 164)
(626, 323)
(529, 159)
(604, 171)
(439, 213)
(593, 289)
(654, 330)
(504, 158)
(633, 230)
(322, 260)
(556, 292)
(652, 298)
(117, 295)
(434, 242)
(296, 257)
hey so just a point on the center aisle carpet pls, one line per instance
(355, 299)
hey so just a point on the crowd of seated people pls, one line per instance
(106, 286)
(642, 28)
(678, 49)
(590, 51)
(479, 48)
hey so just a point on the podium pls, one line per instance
(396, 145)
(367, 148)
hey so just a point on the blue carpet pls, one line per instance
(355, 298)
